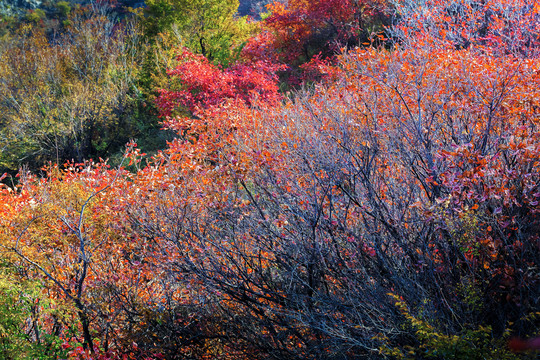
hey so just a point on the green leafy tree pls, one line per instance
(36, 15)
(210, 28)
(63, 8)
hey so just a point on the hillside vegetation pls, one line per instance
(328, 179)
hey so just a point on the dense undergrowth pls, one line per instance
(342, 179)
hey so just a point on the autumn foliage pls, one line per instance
(295, 33)
(203, 85)
(388, 210)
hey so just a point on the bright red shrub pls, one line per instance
(203, 85)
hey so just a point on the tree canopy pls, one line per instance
(345, 180)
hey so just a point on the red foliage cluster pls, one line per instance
(324, 25)
(204, 85)
(294, 33)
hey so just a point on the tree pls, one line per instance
(390, 210)
(295, 32)
(49, 233)
(68, 99)
(412, 172)
(210, 28)
(204, 86)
